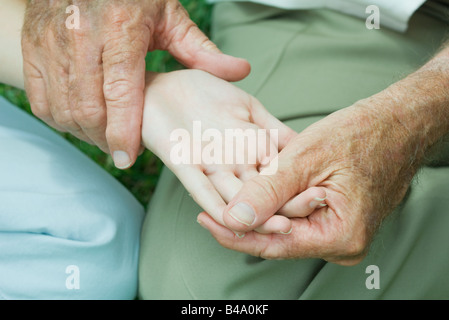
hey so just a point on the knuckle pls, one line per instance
(64, 119)
(79, 39)
(118, 58)
(353, 237)
(117, 90)
(268, 188)
(174, 8)
(355, 246)
(40, 110)
(268, 252)
(88, 114)
(268, 255)
(181, 31)
(117, 15)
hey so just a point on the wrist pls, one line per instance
(420, 105)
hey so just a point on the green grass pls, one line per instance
(142, 178)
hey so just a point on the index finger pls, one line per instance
(202, 191)
(124, 83)
(86, 89)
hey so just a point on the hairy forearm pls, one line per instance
(419, 104)
(429, 89)
(11, 20)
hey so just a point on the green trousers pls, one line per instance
(305, 65)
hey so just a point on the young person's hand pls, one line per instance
(194, 122)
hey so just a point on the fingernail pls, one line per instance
(288, 232)
(121, 159)
(239, 235)
(317, 202)
(201, 224)
(243, 213)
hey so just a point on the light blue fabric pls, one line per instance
(59, 209)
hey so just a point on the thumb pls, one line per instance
(262, 196)
(191, 47)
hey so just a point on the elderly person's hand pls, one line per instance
(364, 157)
(90, 81)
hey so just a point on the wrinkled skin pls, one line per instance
(90, 81)
(364, 156)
